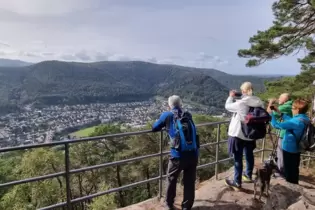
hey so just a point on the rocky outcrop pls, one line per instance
(282, 195)
(215, 195)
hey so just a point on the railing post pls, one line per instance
(217, 152)
(308, 161)
(161, 166)
(67, 176)
(263, 150)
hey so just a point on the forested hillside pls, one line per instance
(37, 162)
(54, 82)
(299, 86)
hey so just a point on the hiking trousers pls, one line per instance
(239, 147)
(175, 166)
(291, 166)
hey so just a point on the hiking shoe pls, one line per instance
(246, 179)
(233, 184)
(278, 176)
(169, 207)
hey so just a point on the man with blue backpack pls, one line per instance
(184, 153)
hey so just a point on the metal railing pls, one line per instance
(68, 172)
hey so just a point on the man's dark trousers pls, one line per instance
(188, 165)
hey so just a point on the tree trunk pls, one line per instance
(81, 190)
(148, 184)
(121, 195)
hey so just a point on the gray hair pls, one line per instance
(174, 101)
(286, 95)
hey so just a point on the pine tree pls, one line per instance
(292, 30)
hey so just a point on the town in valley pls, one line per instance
(54, 123)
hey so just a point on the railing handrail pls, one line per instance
(94, 138)
(68, 203)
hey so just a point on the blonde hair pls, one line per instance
(247, 88)
(174, 101)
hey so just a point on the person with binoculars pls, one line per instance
(240, 105)
(285, 107)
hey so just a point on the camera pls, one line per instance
(238, 94)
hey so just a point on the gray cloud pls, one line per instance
(158, 31)
(153, 60)
(47, 7)
(205, 60)
(20, 53)
(67, 57)
(28, 54)
(47, 54)
(101, 56)
(2, 44)
(82, 55)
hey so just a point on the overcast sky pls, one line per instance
(200, 33)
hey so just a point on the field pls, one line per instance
(83, 132)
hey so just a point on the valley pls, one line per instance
(69, 83)
(47, 101)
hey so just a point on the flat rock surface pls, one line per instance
(214, 195)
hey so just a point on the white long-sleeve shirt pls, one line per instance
(240, 109)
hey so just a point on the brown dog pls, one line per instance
(263, 175)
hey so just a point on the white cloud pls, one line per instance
(4, 45)
(205, 60)
(157, 31)
(45, 7)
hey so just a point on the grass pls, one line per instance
(83, 132)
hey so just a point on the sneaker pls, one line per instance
(246, 179)
(167, 207)
(278, 176)
(233, 184)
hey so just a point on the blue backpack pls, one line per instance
(186, 139)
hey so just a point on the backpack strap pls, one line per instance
(175, 118)
(304, 121)
(194, 134)
(298, 140)
(181, 134)
(305, 127)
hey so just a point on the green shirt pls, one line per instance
(285, 108)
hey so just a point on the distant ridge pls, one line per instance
(57, 82)
(13, 63)
(271, 75)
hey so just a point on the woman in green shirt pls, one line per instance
(285, 107)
